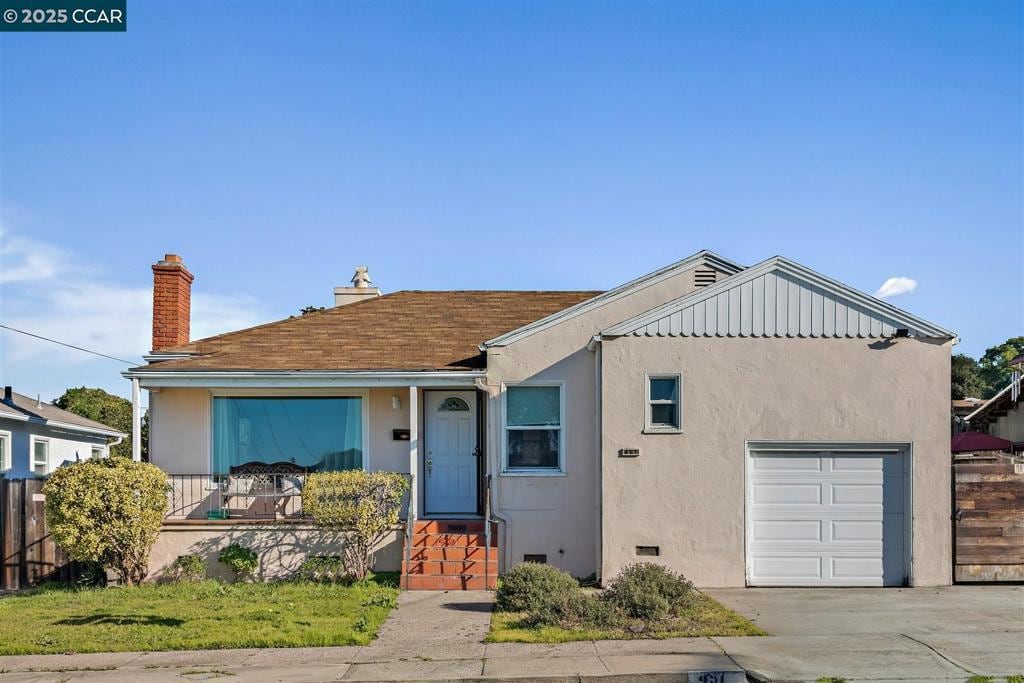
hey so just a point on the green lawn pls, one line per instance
(190, 616)
(707, 618)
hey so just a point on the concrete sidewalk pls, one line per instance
(877, 635)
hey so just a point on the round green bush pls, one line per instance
(187, 568)
(108, 511)
(530, 586)
(240, 560)
(575, 610)
(649, 592)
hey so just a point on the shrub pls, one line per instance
(363, 504)
(530, 586)
(109, 511)
(323, 569)
(575, 609)
(649, 592)
(187, 568)
(240, 560)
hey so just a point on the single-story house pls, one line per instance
(37, 438)
(1003, 415)
(746, 426)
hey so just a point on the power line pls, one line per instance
(70, 346)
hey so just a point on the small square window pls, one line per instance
(663, 403)
(97, 452)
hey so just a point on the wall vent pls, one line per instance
(648, 550)
(702, 277)
(539, 559)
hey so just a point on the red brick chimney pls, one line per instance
(172, 302)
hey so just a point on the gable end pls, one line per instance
(777, 298)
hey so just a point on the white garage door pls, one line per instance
(826, 518)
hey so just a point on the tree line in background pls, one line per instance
(113, 411)
(985, 377)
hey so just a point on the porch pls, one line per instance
(244, 454)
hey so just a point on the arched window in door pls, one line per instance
(453, 404)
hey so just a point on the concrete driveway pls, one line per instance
(926, 634)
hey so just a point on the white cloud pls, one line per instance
(27, 260)
(45, 295)
(895, 286)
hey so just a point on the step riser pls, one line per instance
(450, 540)
(450, 568)
(451, 527)
(446, 554)
(448, 583)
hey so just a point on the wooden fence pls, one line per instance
(28, 554)
(989, 510)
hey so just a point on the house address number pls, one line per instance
(717, 677)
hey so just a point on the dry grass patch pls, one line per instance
(706, 617)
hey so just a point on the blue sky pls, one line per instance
(526, 145)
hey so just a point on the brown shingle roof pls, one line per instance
(409, 330)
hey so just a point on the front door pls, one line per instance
(450, 464)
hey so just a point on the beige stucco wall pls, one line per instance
(179, 430)
(281, 548)
(558, 515)
(686, 492)
(1009, 426)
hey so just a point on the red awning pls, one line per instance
(967, 442)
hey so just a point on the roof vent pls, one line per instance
(361, 279)
(362, 288)
(702, 277)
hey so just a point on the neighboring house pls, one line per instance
(37, 438)
(744, 426)
(960, 408)
(1002, 415)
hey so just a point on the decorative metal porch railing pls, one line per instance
(264, 496)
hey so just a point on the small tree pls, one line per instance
(107, 511)
(365, 505)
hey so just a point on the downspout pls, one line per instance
(595, 346)
(494, 463)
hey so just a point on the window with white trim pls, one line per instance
(97, 452)
(40, 457)
(663, 404)
(534, 437)
(5, 451)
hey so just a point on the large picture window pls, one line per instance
(319, 433)
(533, 428)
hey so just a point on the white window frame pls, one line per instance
(5, 451)
(32, 455)
(505, 428)
(649, 426)
(93, 449)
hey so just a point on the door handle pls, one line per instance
(430, 466)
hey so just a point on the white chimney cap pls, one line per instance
(362, 277)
